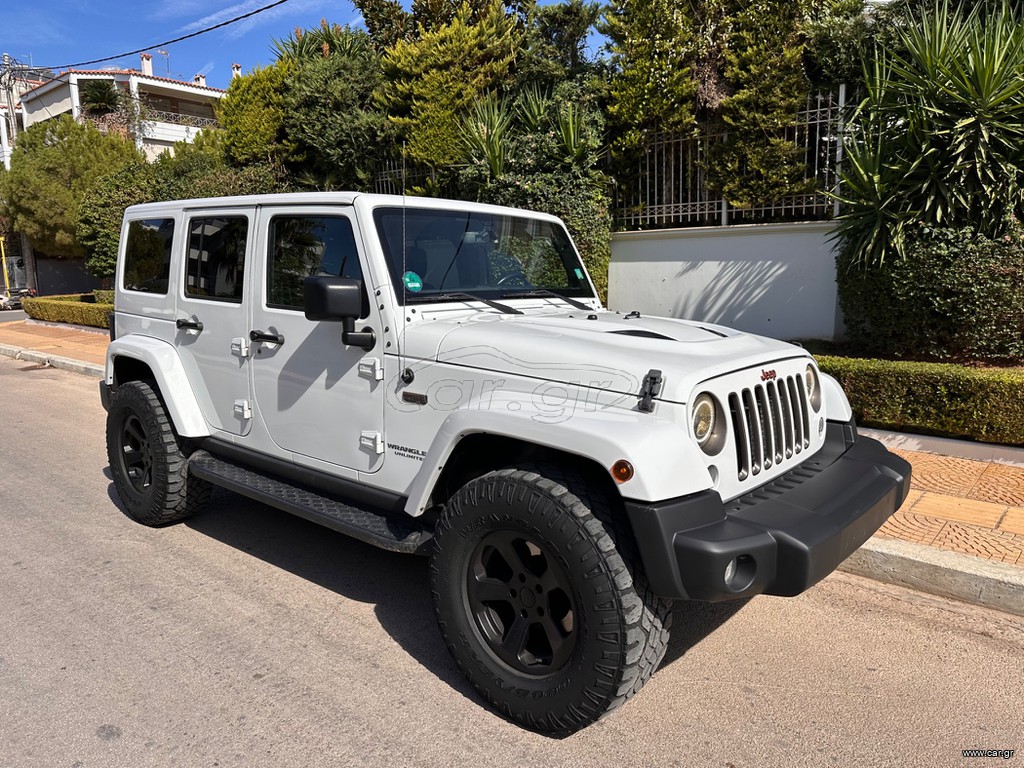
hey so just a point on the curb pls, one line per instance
(944, 446)
(938, 572)
(54, 361)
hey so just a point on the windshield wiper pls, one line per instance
(545, 292)
(449, 295)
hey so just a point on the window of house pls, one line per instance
(307, 246)
(216, 258)
(147, 255)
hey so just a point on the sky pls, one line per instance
(52, 33)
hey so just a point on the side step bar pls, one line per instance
(363, 524)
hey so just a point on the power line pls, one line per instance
(169, 42)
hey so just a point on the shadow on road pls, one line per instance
(397, 585)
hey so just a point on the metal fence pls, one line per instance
(669, 186)
(397, 176)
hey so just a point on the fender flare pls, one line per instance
(603, 437)
(169, 373)
(837, 406)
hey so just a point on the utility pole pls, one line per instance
(10, 98)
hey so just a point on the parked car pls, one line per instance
(12, 299)
(440, 378)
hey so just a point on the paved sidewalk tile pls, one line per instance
(981, 513)
(1013, 521)
(1000, 483)
(944, 474)
(999, 546)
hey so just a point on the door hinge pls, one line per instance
(243, 409)
(240, 347)
(372, 440)
(371, 369)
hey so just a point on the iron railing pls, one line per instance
(669, 188)
(176, 118)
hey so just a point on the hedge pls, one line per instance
(984, 404)
(77, 308)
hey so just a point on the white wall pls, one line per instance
(52, 103)
(773, 279)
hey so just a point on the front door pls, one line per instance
(211, 315)
(317, 397)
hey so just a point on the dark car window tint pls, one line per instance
(215, 268)
(147, 255)
(307, 246)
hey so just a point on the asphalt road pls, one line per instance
(246, 637)
(10, 315)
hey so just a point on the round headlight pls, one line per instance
(813, 387)
(703, 418)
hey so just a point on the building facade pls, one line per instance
(166, 111)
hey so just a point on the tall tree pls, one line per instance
(763, 70)
(336, 133)
(430, 81)
(53, 166)
(252, 114)
(556, 43)
(652, 87)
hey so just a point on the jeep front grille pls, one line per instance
(771, 424)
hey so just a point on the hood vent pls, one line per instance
(644, 334)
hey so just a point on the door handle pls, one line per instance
(273, 338)
(194, 325)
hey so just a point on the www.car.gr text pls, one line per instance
(1006, 754)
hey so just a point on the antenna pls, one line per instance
(407, 372)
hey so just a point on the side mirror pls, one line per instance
(338, 299)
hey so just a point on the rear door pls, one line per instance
(211, 326)
(317, 397)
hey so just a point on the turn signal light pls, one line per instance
(622, 471)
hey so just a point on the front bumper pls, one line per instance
(779, 539)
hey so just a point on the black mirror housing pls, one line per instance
(339, 299)
(332, 298)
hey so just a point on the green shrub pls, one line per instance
(981, 404)
(104, 297)
(73, 308)
(939, 136)
(955, 296)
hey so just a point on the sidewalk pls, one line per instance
(959, 534)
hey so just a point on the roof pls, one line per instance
(129, 72)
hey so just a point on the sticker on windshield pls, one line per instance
(579, 273)
(412, 282)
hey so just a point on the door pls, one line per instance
(211, 315)
(317, 397)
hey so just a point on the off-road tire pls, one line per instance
(621, 628)
(148, 460)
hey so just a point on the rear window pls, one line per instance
(147, 255)
(216, 258)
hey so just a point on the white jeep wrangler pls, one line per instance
(439, 377)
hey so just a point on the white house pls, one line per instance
(171, 110)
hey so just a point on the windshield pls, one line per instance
(434, 252)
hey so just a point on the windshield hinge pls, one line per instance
(650, 389)
(371, 369)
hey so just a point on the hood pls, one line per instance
(599, 349)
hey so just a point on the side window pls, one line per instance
(216, 258)
(147, 255)
(306, 246)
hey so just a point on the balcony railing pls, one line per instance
(176, 118)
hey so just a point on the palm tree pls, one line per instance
(99, 97)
